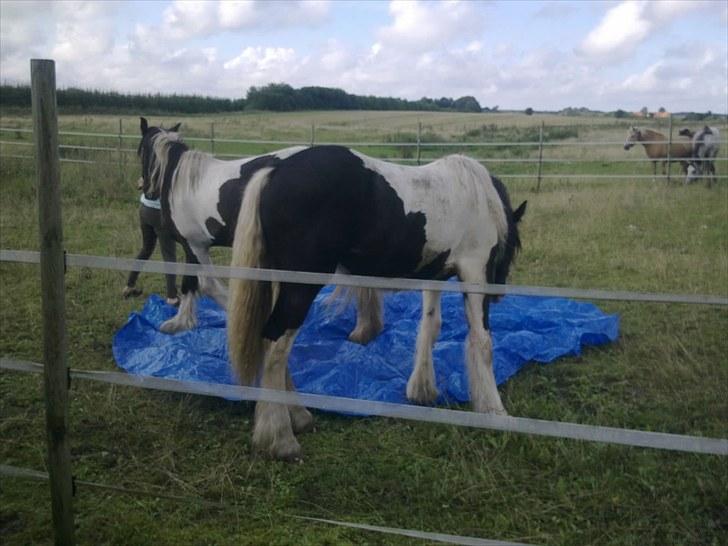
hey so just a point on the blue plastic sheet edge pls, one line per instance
(524, 329)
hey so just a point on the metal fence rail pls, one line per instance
(522, 425)
(360, 281)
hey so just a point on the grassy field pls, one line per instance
(668, 372)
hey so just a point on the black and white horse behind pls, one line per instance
(705, 148)
(329, 207)
(200, 199)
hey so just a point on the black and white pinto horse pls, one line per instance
(329, 207)
(705, 148)
(200, 199)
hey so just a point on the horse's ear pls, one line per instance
(144, 125)
(519, 212)
(175, 129)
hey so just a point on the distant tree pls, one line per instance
(662, 110)
(529, 111)
(279, 97)
(467, 104)
(645, 111)
(619, 114)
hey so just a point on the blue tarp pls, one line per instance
(524, 329)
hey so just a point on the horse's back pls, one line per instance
(329, 205)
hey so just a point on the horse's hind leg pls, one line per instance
(479, 351)
(369, 321)
(421, 387)
(301, 418)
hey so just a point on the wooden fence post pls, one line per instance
(419, 140)
(669, 149)
(121, 153)
(45, 132)
(540, 157)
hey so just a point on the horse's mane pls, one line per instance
(652, 134)
(188, 172)
(164, 145)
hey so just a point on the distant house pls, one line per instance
(659, 115)
(662, 114)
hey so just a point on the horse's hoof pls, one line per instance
(172, 326)
(301, 419)
(168, 327)
(362, 336)
(490, 410)
(174, 302)
(421, 392)
(288, 450)
(130, 292)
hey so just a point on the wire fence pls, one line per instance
(418, 151)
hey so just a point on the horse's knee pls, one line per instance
(190, 284)
(290, 310)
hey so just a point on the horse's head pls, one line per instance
(503, 254)
(635, 135)
(513, 241)
(686, 132)
(152, 154)
(693, 173)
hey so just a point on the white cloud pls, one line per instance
(262, 65)
(189, 18)
(421, 25)
(195, 18)
(699, 71)
(629, 24)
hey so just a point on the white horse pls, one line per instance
(705, 148)
(200, 199)
(327, 207)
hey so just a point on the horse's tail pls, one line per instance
(250, 302)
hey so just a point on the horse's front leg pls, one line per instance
(479, 351)
(186, 317)
(421, 387)
(301, 418)
(211, 286)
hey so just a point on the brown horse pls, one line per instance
(656, 148)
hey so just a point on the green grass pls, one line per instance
(668, 372)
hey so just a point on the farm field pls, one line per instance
(668, 371)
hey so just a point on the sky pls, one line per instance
(545, 55)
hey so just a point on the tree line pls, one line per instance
(277, 97)
(84, 100)
(281, 97)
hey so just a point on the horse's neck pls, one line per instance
(650, 136)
